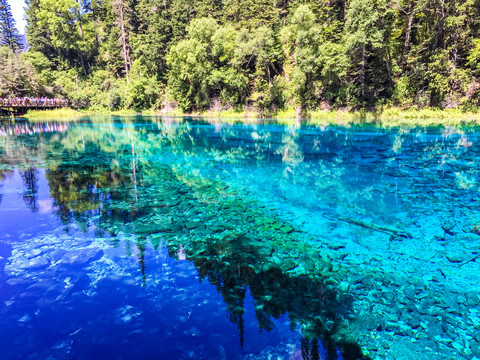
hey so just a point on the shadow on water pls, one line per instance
(96, 177)
(230, 264)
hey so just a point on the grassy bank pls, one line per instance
(57, 114)
(67, 114)
(386, 117)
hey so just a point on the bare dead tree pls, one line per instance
(119, 9)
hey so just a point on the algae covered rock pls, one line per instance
(288, 264)
(190, 225)
(286, 229)
(344, 286)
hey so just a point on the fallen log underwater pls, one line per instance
(387, 230)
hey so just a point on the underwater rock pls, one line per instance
(268, 266)
(457, 254)
(344, 286)
(309, 266)
(57, 255)
(448, 225)
(457, 346)
(25, 318)
(288, 264)
(435, 329)
(62, 350)
(154, 225)
(471, 299)
(35, 263)
(476, 336)
(414, 322)
(286, 229)
(437, 238)
(150, 229)
(388, 295)
(18, 281)
(469, 237)
(469, 241)
(365, 323)
(216, 228)
(399, 328)
(177, 227)
(33, 253)
(410, 294)
(475, 347)
(190, 225)
(336, 246)
(127, 314)
(82, 256)
(45, 291)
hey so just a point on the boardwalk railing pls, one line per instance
(32, 103)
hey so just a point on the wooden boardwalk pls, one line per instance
(20, 106)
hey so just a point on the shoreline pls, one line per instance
(386, 117)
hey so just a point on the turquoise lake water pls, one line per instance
(180, 238)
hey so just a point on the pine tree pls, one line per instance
(8, 32)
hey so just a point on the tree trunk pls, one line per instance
(388, 61)
(298, 114)
(408, 33)
(454, 57)
(362, 75)
(123, 38)
(82, 62)
(440, 27)
(81, 54)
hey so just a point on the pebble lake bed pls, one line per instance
(180, 238)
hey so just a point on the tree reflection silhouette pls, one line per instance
(230, 265)
(30, 193)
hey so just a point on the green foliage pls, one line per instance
(8, 32)
(143, 91)
(473, 57)
(17, 78)
(266, 56)
(41, 65)
(189, 70)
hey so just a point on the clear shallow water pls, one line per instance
(176, 239)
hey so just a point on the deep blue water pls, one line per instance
(162, 238)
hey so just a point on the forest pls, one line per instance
(245, 55)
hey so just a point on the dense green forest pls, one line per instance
(254, 55)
